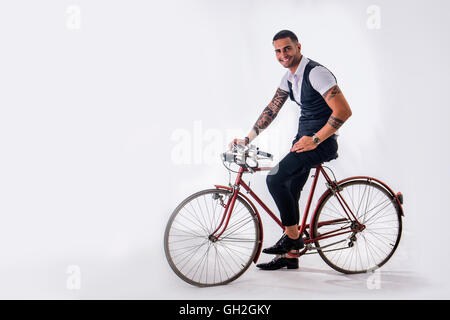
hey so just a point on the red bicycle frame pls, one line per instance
(333, 187)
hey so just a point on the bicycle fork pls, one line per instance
(226, 215)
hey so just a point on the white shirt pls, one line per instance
(321, 79)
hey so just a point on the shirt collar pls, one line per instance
(299, 72)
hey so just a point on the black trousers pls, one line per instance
(286, 180)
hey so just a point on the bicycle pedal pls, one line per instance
(294, 255)
(289, 254)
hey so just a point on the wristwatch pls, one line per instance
(316, 140)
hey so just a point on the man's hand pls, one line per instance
(304, 144)
(241, 142)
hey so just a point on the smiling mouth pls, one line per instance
(284, 60)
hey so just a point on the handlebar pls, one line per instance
(265, 154)
(240, 154)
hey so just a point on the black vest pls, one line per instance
(315, 112)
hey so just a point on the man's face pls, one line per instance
(287, 52)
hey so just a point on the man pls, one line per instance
(323, 110)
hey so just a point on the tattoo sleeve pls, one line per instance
(271, 111)
(331, 93)
(335, 122)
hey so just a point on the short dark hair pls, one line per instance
(285, 34)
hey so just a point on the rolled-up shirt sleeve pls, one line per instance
(321, 79)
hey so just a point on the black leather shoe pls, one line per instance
(284, 245)
(278, 263)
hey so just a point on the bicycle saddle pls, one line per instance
(332, 158)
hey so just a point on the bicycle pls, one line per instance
(214, 235)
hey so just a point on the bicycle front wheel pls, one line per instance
(202, 260)
(361, 245)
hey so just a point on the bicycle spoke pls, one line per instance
(202, 215)
(193, 234)
(377, 212)
(380, 216)
(351, 199)
(237, 240)
(381, 235)
(236, 227)
(196, 217)
(361, 200)
(209, 217)
(188, 221)
(233, 257)
(199, 262)
(188, 255)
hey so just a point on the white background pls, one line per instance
(112, 112)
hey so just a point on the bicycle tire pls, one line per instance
(357, 194)
(203, 262)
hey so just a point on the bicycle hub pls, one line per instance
(212, 238)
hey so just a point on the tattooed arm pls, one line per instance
(266, 117)
(341, 112)
(268, 114)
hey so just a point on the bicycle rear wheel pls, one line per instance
(364, 248)
(201, 260)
